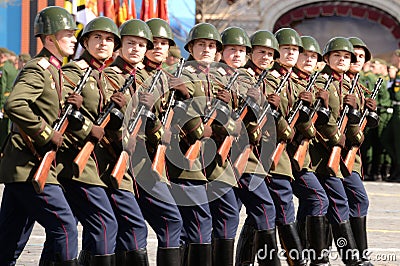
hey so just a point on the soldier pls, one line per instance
(313, 201)
(8, 73)
(23, 59)
(338, 54)
(153, 194)
(86, 192)
(33, 106)
(357, 196)
(132, 230)
(259, 227)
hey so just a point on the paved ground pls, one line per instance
(383, 229)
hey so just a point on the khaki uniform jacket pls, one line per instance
(33, 106)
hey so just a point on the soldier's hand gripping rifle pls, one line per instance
(40, 177)
(242, 159)
(217, 106)
(334, 159)
(133, 128)
(159, 158)
(319, 115)
(109, 115)
(368, 118)
(294, 115)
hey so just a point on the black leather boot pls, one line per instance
(301, 227)
(317, 240)
(290, 241)
(84, 258)
(184, 254)
(266, 248)
(103, 260)
(359, 228)
(222, 252)
(73, 262)
(168, 256)
(199, 254)
(345, 243)
(245, 246)
(137, 257)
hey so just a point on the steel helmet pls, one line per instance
(161, 29)
(267, 39)
(138, 28)
(311, 44)
(358, 43)
(101, 24)
(236, 36)
(340, 44)
(53, 19)
(288, 36)
(204, 31)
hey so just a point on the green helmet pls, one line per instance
(138, 28)
(161, 29)
(340, 44)
(204, 31)
(288, 36)
(53, 19)
(267, 39)
(236, 36)
(101, 24)
(311, 44)
(358, 43)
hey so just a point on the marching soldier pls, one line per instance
(132, 230)
(33, 106)
(86, 192)
(338, 54)
(313, 201)
(259, 227)
(355, 190)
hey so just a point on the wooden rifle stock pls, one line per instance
(351, 155)
(41, 174)
(82, 158)
(334, 159)
(133, 128)
(158, 164)
(193, 152)
(300, 154)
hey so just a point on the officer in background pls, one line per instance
(23, 59)
(8, 73)
(33, 106)
(86, 192)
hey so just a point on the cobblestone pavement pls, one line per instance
(383, 229)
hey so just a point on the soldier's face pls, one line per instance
(289, 55)
(66, 40)
(262, 57)
(160, 51)
(307, 61)
(234, 55)
(339, 61)
(204, 50)
(133, 49)
(100, 44)
(360, 55)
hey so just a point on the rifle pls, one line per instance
(133, 128)
(334, 159)
(159, 158)
(300, 155)
(294, 115)
(217, 105)
(240, 162)
(102, 121)
(40, 177)
(351, 155)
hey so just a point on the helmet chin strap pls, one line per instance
(55, 41)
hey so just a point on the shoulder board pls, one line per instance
(275, 73)
(190, 69)
(325, 76)
(347, 78)
(44, 63)
(82, 64)
(116, 69)
(251, 71)
(221, 71)
(140, 65)
(294, 75)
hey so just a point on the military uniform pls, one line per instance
(33, 106)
